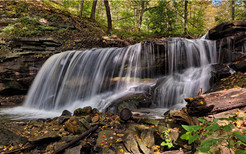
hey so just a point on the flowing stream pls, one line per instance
(96, 77)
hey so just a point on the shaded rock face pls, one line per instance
(9, 137)
(240, 65)
(230, 39)
(130, 101)
(220, 71)
(33, 44)
(17, 71)
(19, 67)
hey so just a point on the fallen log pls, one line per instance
(125, 114)
(216, 102)
(60, 150)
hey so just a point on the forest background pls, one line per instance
(152, 17)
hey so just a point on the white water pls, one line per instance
(96, 77)
(189, 70)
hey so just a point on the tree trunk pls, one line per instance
(141, 16)
(93, 9)
(81, 8)
(245, 7)
(216, 102)
(185, 17)
(106, 3)
(232, 10)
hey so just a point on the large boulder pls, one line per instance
(230, 39)
(231, 28)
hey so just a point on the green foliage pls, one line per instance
(188, 135)
(234, 140)
(26, 21)
(191, 129)
(168, 141)
(240, 136)
(213, 127)
(202, 120)
(203, 149)
(49, 28)
(24, 26)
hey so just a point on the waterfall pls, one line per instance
(90, 77)
(178, 68)
(188, 69)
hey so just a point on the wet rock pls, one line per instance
(142, 146)
(68, 138)
(46, 138)
(95, 111)
(88, 118)
(62, 119)
(66, 113)
(107, 150)
(130, 142)
(82, 111)
(174, 152)
(85, 123)
(95, 119)
(150, 121)
(131, 101)
(219, 71)
(148, 138)
(73, 125)
(74, 150)
(121, 149)
(105, 138)
(128, 105)
(9, 137)
(239, 65)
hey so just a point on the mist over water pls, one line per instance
(96, 77)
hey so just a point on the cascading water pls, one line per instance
(96, 77)
(188, 68)
(75, 79)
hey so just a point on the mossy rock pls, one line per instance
(82, 111)
(73, 125)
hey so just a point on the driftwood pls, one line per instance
(60, 150)
(216, 102)
(183, 116)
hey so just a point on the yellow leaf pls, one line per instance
(201, 102)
